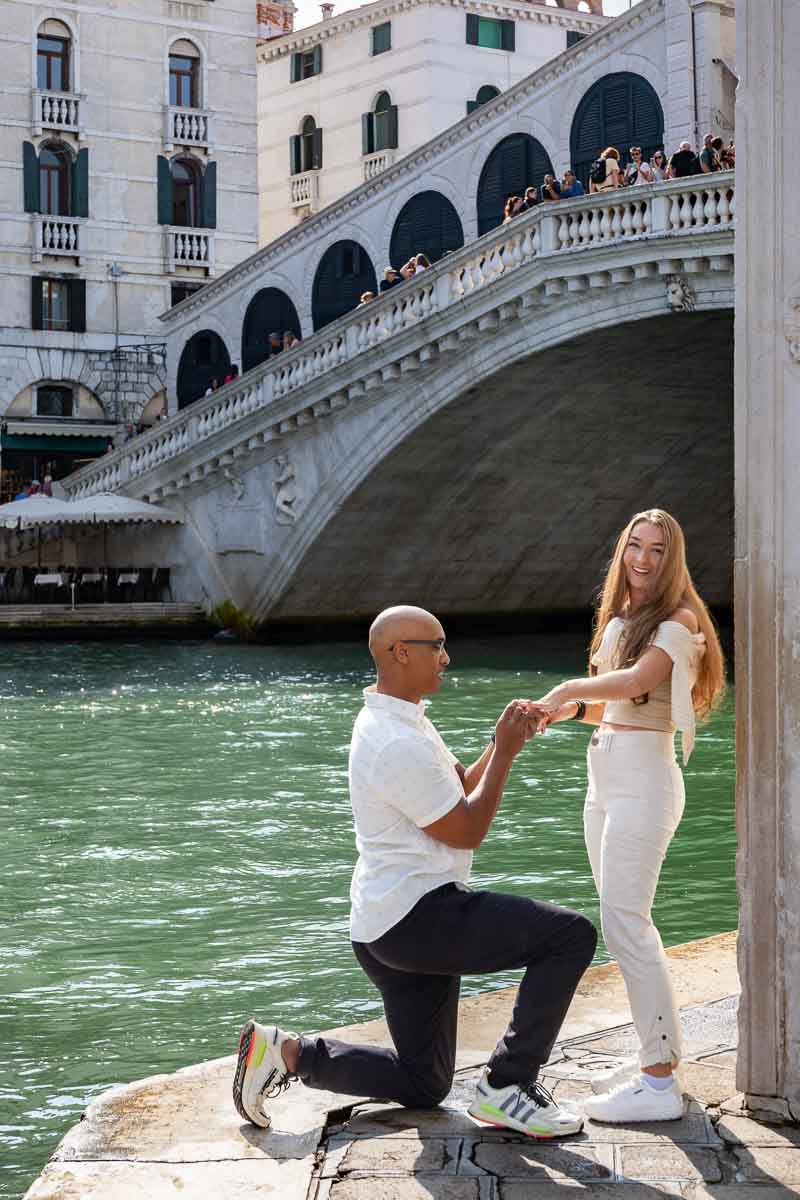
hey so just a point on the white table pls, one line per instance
(128, 577)
(92, 577)
(49, 580)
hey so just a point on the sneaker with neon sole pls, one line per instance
(528, 1109)
(260, 1071)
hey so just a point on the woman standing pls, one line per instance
(656, 664)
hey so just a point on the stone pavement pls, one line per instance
(179, 1135)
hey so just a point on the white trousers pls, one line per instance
(633, 807)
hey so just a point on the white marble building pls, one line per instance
(128, 140)
(341, 100)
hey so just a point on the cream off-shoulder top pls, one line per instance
(669, 706)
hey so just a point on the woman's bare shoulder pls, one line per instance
(685, 617)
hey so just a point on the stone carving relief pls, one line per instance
(791, 328)
(287, 493)
(237, 484)
(680, 296)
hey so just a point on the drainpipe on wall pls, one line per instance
(694, 80)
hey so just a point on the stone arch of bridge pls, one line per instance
(205, 357)
(270, 311)
(513, 164)
(562, 368)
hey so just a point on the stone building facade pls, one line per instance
(129, 178)
(341, 100)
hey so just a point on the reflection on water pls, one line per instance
(178, 850)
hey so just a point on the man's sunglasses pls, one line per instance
(437, 643)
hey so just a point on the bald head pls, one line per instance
(398, 623)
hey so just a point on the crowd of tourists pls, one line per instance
(608, 172)
(35, 488)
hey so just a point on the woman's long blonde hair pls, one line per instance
(674, 590)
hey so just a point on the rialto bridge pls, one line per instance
(472, 439)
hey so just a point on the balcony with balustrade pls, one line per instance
(305, 190)
(188, 248)
(59, 111)
(55, 236)
(375, 163)
(189, 128)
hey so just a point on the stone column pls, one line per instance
(767, 569)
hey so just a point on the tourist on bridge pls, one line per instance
(684, 162)
(605, 173)
(417, 927)
(571, 186)
(656, 665)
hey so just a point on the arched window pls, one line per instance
(54, 400)
(55, 178)
(619, 110)
(517, 162)
(205, 358)
(184, 75)
(53, 58)
(270, 311)
(383, 129)
(187, 183)
(307, 131)
(427, 224)
(344, 272)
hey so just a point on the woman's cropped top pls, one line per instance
(669, 706)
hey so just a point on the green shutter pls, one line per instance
(367, 133)
(295, 155)
(80, 184)
(30, 173)
(36, 302)
(208, 197)
(316, 150)
(296, 69)
(392, 124)
(472, 29)
(471, 106)
(164, 191)
(77, 305)
(318, 60)
(382, 38)
(507, 35)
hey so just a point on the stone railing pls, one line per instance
(55, 110)
(305, 190)
(187, 127)
(189, 248)
(564, 237)
(58, 236)
(375, 163)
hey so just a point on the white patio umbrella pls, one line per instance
(107, 508)
(38, 510)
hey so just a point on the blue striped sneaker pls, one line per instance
(529, 1109)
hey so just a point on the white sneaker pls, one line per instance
(531, 1110)
(636, 1101)
(260, 1071)
(606, 1081)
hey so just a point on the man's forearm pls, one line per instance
(474, 774)
(485, 798)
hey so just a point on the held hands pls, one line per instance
(519, 721)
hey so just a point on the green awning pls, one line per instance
(61, 444)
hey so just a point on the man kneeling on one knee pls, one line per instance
(416, 925)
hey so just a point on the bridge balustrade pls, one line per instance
(676, 208)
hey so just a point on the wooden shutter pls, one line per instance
(316, 150)
(208, 197)
(472, 29)
(80, 184)
(296, 68)
(36, 302)
(382, 38)
(471, 106)
(507, 39)
(427, 223)
(295, 154)
(367, 132)
(392, 122)
(77, 305)
(515, 163)
(30, 173)
(318, 60)
(164, 191)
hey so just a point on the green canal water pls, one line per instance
(177, 849)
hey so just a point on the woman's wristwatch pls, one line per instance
(580, 712)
